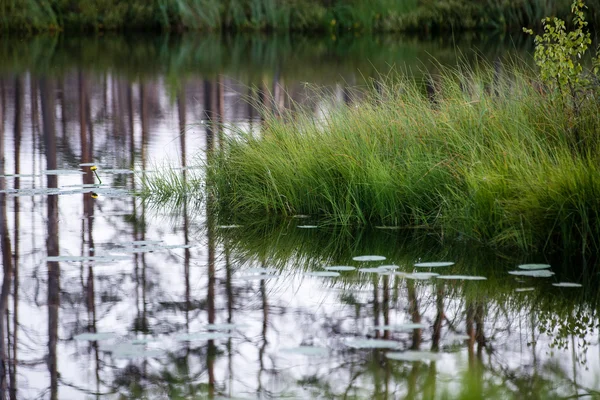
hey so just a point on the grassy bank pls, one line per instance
(271, 15)
(489, 156)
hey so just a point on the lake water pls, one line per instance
(105, 296)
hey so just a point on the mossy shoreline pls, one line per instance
(316, 16)
(488, 157)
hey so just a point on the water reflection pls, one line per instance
(489, 341)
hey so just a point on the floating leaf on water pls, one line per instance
(369, 258)
(372, 344)
(301, 216)
(260, 271)
(455, 337)
(106, 258)
(462, 277)
(307, 350)
(92, 337)
(388, 227)
(257, 277)
(145, 249)
(223, 327)
(117, 171)
(421, 275)
(534, 266)
(307, 226)
(536, 273)
(325, 274)
(340, 268)
(130, 350)
(413, 356)
(400, 327)
(62, 172)
(374, 270)
(191, 337)
(436, 264)
(567, 284)
(18, 176)
(142, 242)
(389, 267)
(524, 289)
(176, 246)
(228, 226)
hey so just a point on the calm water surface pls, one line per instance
(104, 296)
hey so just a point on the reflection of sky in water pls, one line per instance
(301, 310)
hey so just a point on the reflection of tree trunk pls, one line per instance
(386, 305)
(47, 95)
(439, 318)
(376, 303)
(413, 309)
(18, 127)
(475, 363)
(6, 261)
(479, 334)
(263, 347)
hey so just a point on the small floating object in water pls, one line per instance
(390, 267)
(131, 350)
(107, 258)
(567, 284)
(307, 226)
(413, 356)
(436, 264)
(260, 271)
(62, 172)
(421, 275)
(190, 337)
(325, 274)
(93, 337)
(524, 289)
(340, 268)
(175, 246)
(117, 171)
(400, 327)
(368, 258)
(462, 277)
(536, 273)
(301, 216)
(533, 266)
(259, 277)
(223, 327)
(391, 227)
(375, 270)
(372, 344)
(228, 226)
(310, 351)
(143, 242)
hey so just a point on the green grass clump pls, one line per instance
(491, 158)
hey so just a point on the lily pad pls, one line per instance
(390, 227)
(375, 270)
(130, 350)
(92, 337)
(462, 277)
(413, 356)
(106, 258)
(534, 266)
(307, 350)
(369, 258)
(372, 344)
(537, 273)
(339, 268)
(524, 289)
(192, 337)
(307, 226)
(436, 264)
(62, 172)
(567, 285)
(325, 274)
(421, 275)
(229, 226)
(117, 171)
(143, 242)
